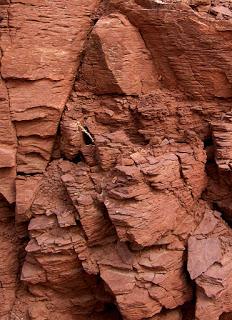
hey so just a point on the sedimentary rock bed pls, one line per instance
(115, 160)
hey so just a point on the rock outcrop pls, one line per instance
(115, 159)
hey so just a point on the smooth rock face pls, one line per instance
(115, 160)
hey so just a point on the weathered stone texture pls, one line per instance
(115, 159)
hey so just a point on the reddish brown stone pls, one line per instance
(115, 160)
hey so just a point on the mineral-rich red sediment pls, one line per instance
(115, 160)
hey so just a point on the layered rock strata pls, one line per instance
(115, 166)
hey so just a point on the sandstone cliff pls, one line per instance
(115, 159)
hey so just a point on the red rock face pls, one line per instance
(115, 160)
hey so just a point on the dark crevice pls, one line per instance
(226, 316)
(188, 308)
(23, 174)
(23, 239)
(79, 158)
(134, 135)
(225, 213)
(181, 171)
(209, 149)
(95, 20)
(87, 137)
(115, 95)
(110, 308)
(104, 210)
(112, 311)
(208, 142)
(217, 192)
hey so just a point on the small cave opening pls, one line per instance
(78, 158)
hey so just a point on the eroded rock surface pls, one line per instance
(115, 160)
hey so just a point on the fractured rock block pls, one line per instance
(209, 263)
(107, 65)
